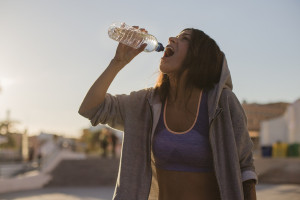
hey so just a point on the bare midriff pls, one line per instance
(178, 185)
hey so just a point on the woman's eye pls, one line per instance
(183, 37)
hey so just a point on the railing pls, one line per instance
(48, 159)
(44, 164)
(12, 169)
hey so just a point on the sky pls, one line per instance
(52, 51)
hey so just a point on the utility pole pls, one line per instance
(25, 146)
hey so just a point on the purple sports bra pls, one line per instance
(189, 151)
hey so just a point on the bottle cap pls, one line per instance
(160, 47)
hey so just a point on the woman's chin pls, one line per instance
(163, 68)
(168, 68)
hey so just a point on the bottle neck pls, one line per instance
(159, 47)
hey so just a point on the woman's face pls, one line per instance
(175, 53)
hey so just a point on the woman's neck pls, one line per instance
(179, 94)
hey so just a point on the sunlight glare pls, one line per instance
(5, 83)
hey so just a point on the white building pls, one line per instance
(285, 128)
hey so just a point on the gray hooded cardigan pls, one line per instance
(137, 115)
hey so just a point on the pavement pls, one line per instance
(278, 170)
(62, 193)
(278, 192)
(264, 192)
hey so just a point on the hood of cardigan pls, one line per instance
(215, 93)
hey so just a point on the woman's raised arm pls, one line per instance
(96, 94)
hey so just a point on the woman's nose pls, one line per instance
(172, 39)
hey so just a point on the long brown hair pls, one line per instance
(203, 62)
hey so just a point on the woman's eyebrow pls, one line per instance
(183, 34)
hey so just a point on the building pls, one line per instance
(285, 128)
(256, 113)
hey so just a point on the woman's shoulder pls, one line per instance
(227, 93)
(141, 95)
(229, 97)
(133, 97)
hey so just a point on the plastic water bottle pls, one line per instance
(133, 37)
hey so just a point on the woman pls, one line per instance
(186, 138)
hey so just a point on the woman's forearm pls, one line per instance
(96, 93)
(249, 190)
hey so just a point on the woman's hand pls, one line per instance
(124, 54)
(96, 93)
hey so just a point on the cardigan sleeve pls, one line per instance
(114, 109)
(243, 141)
(111, 112)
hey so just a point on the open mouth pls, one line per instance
(168, 52)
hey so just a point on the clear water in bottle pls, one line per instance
(133, 37)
